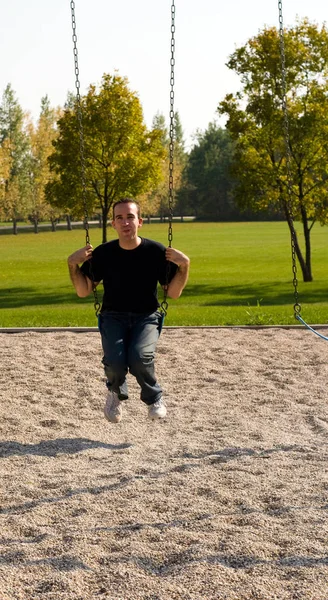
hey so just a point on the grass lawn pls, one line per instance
(240, 275)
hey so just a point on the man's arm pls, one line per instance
(83, 285)
(180, 279)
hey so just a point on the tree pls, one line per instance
(5, 166)
(157, 200)
(256, 123)
(151, 200)
(180, 159)
(122, 158)
(41, 138)
(14, 146)
(208, 183)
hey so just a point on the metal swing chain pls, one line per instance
(82, 148)
(164, 305)
(171, 146)
(297, 306)
(80, 121)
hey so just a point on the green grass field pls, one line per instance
(240, 275)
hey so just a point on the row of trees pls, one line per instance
(239, 169)
(24, 168)
(40, 165)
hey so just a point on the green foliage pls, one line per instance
(256, 315)
(240, 274)
(14, 155)
(122, 158)
(208, 184)
(156, 202)
(41, 137)
(256, 123)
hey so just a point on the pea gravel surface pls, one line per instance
(226, 499)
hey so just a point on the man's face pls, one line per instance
(126, 220)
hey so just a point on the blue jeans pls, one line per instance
(129, 343)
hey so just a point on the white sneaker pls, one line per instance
(113, 408)
(157, 410)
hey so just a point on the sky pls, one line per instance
(133, 38)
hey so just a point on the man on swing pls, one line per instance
(129, 321)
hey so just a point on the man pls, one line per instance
(130, 268)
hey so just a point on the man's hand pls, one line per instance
(177, 257)
(83, 285)
(80, 256)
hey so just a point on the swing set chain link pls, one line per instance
(171, 145)
(297, 306)
(97, 305)
(164, 304)
(80, 122)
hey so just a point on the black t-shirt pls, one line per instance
(130, 277)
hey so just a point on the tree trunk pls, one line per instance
(104, 225)
(305, 265)
(15, 231)
(54, 225)
(306, 232)
(36, 228)
(69, 222)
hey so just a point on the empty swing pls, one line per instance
(297, 306)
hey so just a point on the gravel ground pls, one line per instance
(226, 499)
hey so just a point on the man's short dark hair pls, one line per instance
(126, 201)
